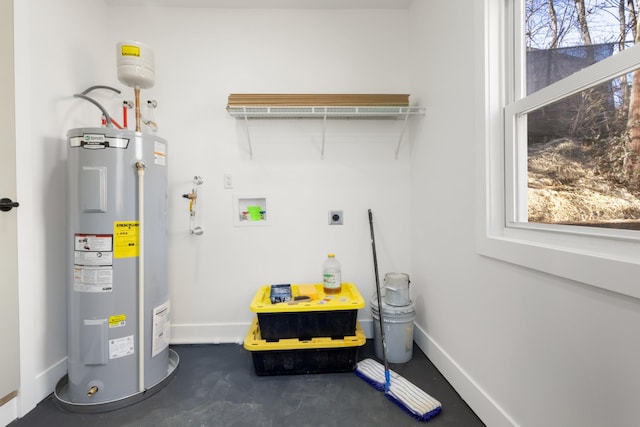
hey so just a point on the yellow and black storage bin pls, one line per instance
(310, 356)
(320, 315)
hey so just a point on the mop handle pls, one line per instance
(384, 341)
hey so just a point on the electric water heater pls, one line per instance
(119, 311)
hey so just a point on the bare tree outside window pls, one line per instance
(584, 149)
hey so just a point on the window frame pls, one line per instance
(605, 258)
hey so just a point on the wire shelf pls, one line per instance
(375, 112)
(323, 112)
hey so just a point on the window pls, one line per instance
(571, 114)
(577, 101)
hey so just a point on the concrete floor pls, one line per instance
(216, 385)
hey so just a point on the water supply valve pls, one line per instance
(149, 119)
(193, 197)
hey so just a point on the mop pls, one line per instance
(399, 390)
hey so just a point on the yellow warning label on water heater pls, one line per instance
(126, 242)
(127, 50)
(117, 320)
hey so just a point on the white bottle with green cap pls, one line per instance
(331, 275)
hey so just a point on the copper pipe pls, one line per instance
(137, 92)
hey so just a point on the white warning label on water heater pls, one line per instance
(93, 242)
(121, 347)
(93, 258)
(93, 263)
(92, 278)
(160, 153)
(161, 328)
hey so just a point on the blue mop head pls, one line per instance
(400, 391)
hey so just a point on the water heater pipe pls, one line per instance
(138, 115)
(97, 104)
(126, 105)
(84, 96)
(140, 166)
(92, 88)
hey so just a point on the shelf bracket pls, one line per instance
(404, 127)
(324, 129)
(246, 125)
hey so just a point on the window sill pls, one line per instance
(611, 264)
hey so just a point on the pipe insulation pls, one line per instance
(140, 167)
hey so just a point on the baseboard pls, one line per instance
(46, 381)
(9, 412)
(223, 333)
(209, 333)
(480, 402)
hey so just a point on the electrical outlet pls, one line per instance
(335, 217)
(228, 181)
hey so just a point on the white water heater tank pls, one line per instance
(135, 64)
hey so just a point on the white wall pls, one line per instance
(203, 55)
(521, 347)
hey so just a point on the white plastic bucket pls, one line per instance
(398, 330)
(396, 289)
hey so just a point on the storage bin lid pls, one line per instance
(254, 342)
(348, 299)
